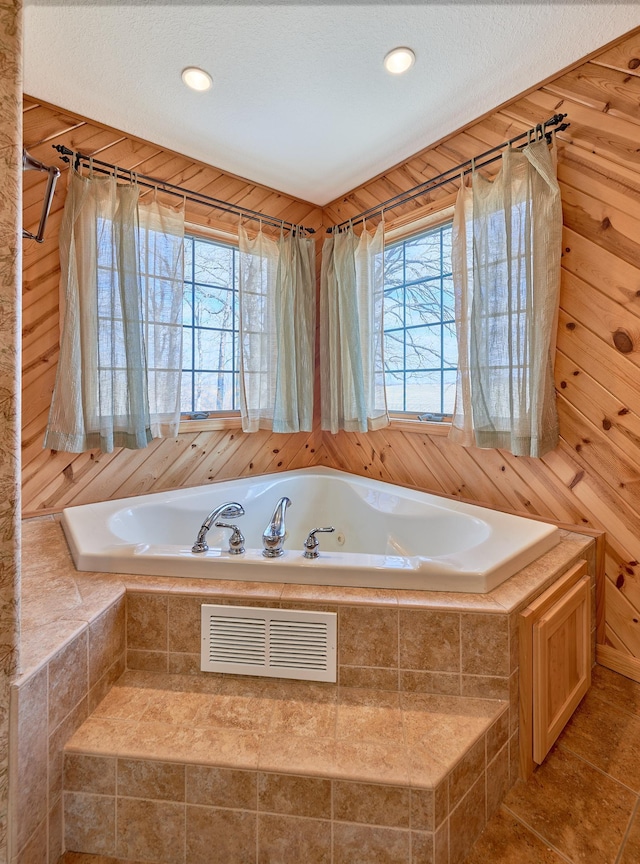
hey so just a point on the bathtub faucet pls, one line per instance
(230, 510)
(273, 535)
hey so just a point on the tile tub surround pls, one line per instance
(61, 604)
(48, 705)
(536, 823)
(167, 763)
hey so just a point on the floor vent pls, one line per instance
(276, 643)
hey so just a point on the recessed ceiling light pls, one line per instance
(399, 60)
(196, 79)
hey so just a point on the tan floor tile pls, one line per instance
(466, 772)
(371, 762)
(466, 822)
(225, 748)
(138, 778)
(577, 809)
(426, 769)
(221, 787)
(631, 848)
(297, 755)
(505, 839)
(152, 830)
(89, 823)
(83, 858)
(366, 723)
(288, 838)
(123, 703)
(90, 774)
(375, 805)
(220, 836)
(606, 737)
(294, 795)
(369, 715)
(236, 712)
(616, 689)
(364, 844)
(180, 708)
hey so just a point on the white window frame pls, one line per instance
(215, 420)
(432, 217)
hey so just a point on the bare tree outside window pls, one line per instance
(420, 348)
(210, 321)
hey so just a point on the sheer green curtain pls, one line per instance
(121, 297)
(277, 331)
(351, 331)
(507, 238)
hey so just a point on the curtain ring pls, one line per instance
(90, 164)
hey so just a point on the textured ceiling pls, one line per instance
(300, 100)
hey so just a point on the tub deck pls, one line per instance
(82, 630)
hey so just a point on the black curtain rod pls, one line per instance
(171, 189)
(454, 173)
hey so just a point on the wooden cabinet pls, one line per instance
(555, 663)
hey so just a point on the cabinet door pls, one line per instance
(561, 665)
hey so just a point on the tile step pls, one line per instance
(164, 759)
(373, 736)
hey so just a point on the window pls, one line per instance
(420, 348)
(210, 349)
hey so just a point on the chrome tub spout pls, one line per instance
(230, 510)
(274, 534)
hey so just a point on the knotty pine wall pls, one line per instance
(52, 480)
(593, 477)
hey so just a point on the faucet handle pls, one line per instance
(236, 541)
(311, 543)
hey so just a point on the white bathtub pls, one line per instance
(386, 536)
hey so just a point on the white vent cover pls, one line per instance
(276, 643)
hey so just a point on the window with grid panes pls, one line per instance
(210, 328)
(420, 348)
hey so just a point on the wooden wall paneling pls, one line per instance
(599, 406)
(619, 661)
(53, 480)
(622, 573)
(623, 55)
(611, 640)
(479, 478)
(599, 503)
(596, 220)
(601, 88)
(505, 481)
(598, 268)
(577, 341)
(622, 617)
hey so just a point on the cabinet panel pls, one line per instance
(561, 665)
(555, 663)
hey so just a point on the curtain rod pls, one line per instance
(442, 179)
(171, 189)
(31, 164)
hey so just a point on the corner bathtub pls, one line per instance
(386, 536)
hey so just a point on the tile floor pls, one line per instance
(582, 806)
